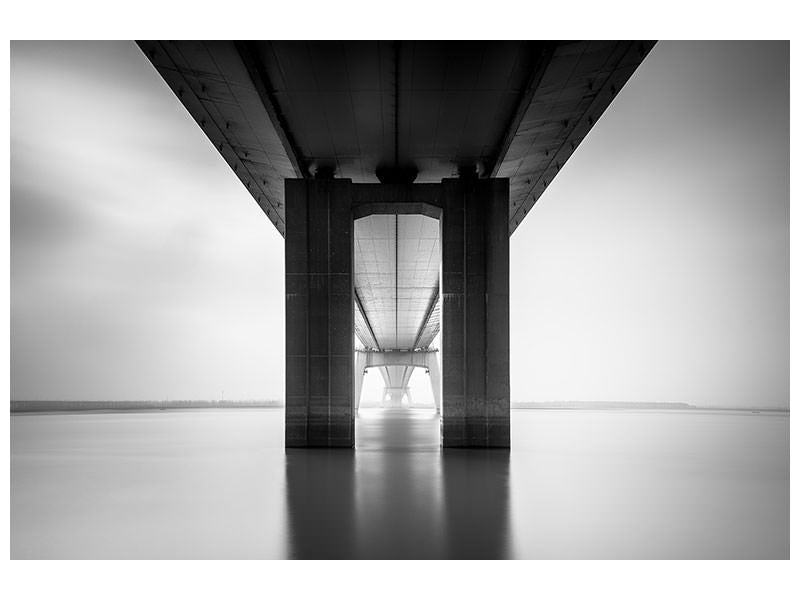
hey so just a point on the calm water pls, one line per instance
(577, 484)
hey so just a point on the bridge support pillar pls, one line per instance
(396, 379)
(319, 313)
(475, 313)
(393, 397)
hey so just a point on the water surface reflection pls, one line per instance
(577, 484)
(398, 495)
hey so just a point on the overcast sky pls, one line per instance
(654, 268)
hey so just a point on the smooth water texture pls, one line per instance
(576, 484)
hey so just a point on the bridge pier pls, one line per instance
(319, 314)
(396, 378)
(393, 397)
(322, 394)
(475, 330)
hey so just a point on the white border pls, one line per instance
(406, 19)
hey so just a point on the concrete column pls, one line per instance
(475, 331)
(395, 399)
(319, 314)
(396, 378)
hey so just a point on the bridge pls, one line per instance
(396, 172)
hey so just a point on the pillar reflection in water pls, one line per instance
(398, 495)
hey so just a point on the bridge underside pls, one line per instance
(396, 171)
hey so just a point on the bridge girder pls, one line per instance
(397, 358)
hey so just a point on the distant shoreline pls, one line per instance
(58, 406)
(50, 406)
(602, 405)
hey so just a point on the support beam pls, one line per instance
(384, 358)
(319, 314)
(249, 53)
(475, 329)
(543, 51)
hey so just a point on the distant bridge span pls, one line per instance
(396, 367)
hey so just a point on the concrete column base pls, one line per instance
(393, 397)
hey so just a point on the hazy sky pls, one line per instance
(654, 268)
